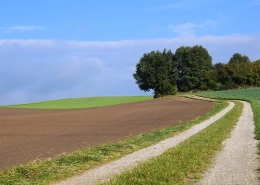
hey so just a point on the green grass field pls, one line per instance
(77, 103)
(251, 95)
(244, 94)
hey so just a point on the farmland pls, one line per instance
(76, 103)
(37, 134)
(135, 122)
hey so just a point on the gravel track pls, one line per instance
(237, 163)
(105, 172)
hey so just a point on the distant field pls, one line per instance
(75, 103)
(251, 95)
(246, 94)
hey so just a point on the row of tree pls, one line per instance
(191, 68)
(233, 75)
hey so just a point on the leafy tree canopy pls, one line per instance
(238, 58)
(157, 71)
(193, 63)
(190, 68)
(218, 65)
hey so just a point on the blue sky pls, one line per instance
(53, 49)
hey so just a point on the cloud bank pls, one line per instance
(25, 28)
(37, 70)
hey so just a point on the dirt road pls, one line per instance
(237, 163)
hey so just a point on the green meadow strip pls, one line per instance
(79, 103)
(185, 162)
(256, 110)
(64, 166)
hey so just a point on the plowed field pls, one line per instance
(29, 134)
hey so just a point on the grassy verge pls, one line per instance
(186, 161)
(61, 167)
(75, 103)
(251, 95)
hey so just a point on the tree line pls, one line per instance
(191, 69)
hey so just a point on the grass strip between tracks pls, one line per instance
(64, 166)
(186, 161)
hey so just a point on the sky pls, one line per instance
(53, 49)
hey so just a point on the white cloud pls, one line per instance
(190, 29)
(25, 28)
(20, 28)
(35, 70)
(184, 30)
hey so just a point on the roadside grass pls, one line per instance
(76, 103)
(64, 166)
(186, 161)
(251, 95)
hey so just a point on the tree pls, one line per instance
(218, 66)
(158, 72)
(234, 75)
(238, 58)
(211, 80)
(193, 63)
(256, 72)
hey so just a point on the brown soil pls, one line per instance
(27, 134)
